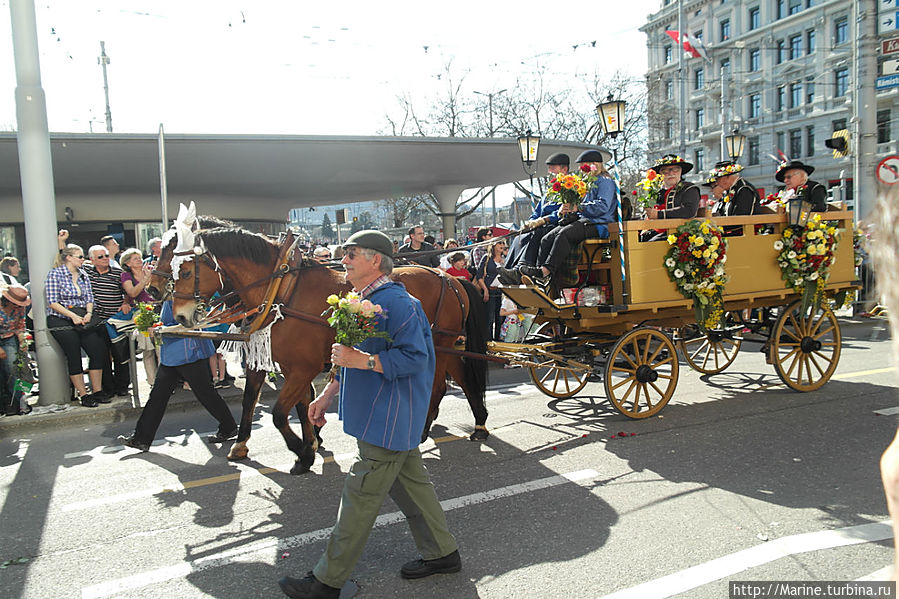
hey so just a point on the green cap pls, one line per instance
(373, 240)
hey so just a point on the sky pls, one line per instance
(301, 67)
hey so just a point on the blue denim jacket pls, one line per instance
(177, 351)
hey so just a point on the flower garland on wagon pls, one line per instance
(354, 319)
(805, 255)
(570, 188)
(695, 263)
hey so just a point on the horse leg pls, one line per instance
(301, 414)
(251, 392)
(296, 392)
(438, 390)
(475, 399)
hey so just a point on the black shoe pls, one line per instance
(133, 442)
(102, 397)
(89, 401)
(221, 437)
(509, 276)
(535, 272)
(308, 587)
(425, 567)
(123, 392)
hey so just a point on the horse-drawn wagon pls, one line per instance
(631, 341)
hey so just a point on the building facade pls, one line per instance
(778, 71)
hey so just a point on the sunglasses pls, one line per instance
(79, 257)
(103, 256)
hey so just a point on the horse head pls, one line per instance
(199, 278)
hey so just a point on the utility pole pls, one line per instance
(103, 60)
(683, 80)
(865, 142)
(490, 134)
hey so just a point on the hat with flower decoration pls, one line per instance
(711, 180)
(725, 168)
(786, 165)
(673, 160)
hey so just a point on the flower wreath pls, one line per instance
(805, 255)
(669, 159)
(723, 171)
(695, 262)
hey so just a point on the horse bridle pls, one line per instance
(200, 303)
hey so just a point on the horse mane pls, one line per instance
(235, 242)
(208, 221)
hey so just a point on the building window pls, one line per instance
(667, 54)
(795, 46)
(700, 78)
(839, 124)
(753, 151)
(795, 143)
(699, 159)
(810, 41)
(809, 141)
(841, 82)
(781, 52)
(755, 18)
(883, 126)
(795, 6)
(780, 98)
(700, 118)
(725, 29)
(754, 60)
(780, 8)
(809, 91)
(840, 31)
(725, 66)
(669, 129)
(698, 35)
(755, 106)
(781, 140)
(669, 90)
(795, 95)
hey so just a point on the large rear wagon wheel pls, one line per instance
(805, 349)
(641, 372)
(710, 351)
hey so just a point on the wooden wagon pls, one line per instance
(630, 342)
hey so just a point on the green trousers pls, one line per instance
(377, 472)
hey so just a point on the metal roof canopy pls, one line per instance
(256, 176)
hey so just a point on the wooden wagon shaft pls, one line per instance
(179, 331)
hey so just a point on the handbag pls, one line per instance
(81, 311)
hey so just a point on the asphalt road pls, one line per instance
(738, 478)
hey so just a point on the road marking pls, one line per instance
(887, 411)
(885, 573)
(267, 550)
(728, 565)
(849, 375)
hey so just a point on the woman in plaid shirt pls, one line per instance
(70, 304)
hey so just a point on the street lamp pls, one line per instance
(528, 145)
(734, 143)
(611, 115)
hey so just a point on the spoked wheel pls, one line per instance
(556, 380)
(711, 351)
(805, 349)
(641, 372)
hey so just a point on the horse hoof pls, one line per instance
(479, 434)
(238, 452)
(300, 468)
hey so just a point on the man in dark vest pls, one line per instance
(794, 175)
(680, 199)
(740, 197)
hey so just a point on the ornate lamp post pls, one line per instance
(734, 143)
(528, 144)
(611, 115)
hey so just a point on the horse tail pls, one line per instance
(475, 341)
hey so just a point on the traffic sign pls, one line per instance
(890, 67)
(889, 46)
(886, 82)
(888, 170)
(886, 5)
(888, 22)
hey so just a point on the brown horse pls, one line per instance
(246, 262)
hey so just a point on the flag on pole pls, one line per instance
(692, 45)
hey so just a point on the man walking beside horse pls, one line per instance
(383, 392)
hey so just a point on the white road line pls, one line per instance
(887, 411)
(267, 550)
(885, 573)
(728, 565)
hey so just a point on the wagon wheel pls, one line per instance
(641, 372)
(804, 349)
(710, 351)
(556, 380)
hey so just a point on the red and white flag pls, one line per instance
(692, 45)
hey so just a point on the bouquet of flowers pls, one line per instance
(145, 318)
(354, 318)
(805, 255)
(695, 262)
(649, 190)
(572, 187)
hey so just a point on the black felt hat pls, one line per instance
(559, 158)
(787, 165)
(590, 156)
(674, 160)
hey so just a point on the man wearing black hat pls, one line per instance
(740, 197)
(384, 391)
(680, 198)
(597, 209)
(794, 175)
(526, 247)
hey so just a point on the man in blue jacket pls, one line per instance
(597, 209)
(526, 247)
(384, 389)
